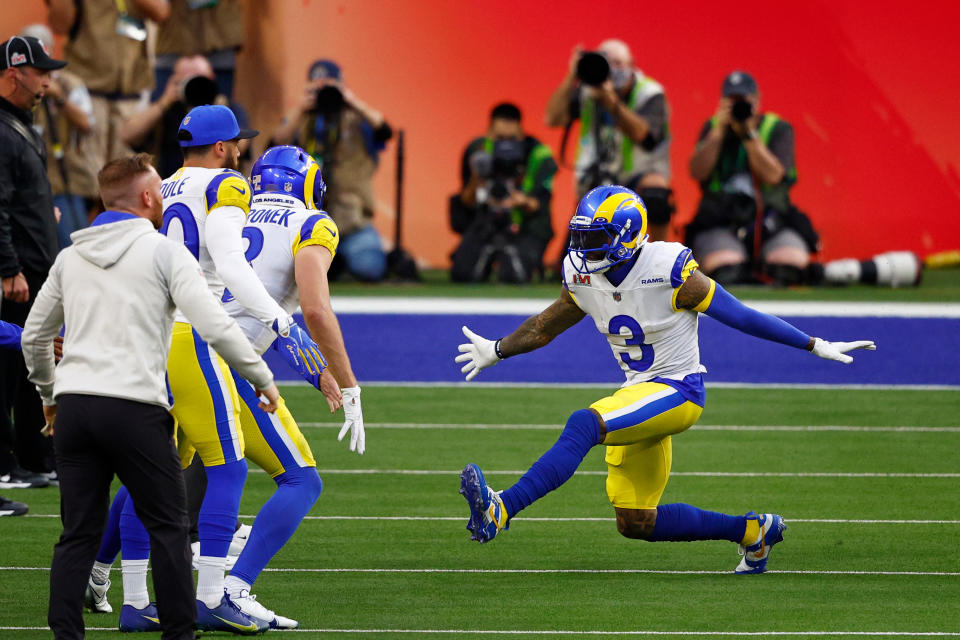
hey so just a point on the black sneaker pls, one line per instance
(11, 507)
(52, 478)
(23, 479)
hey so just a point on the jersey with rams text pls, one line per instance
(189, 196)
(277, 229)
(648, 335)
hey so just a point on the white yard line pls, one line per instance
(480, 426)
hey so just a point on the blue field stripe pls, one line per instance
(249, 396)
(910, 351)
(220, 410)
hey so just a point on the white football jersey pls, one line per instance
(277, 228)
(189, 195)
(648, 335)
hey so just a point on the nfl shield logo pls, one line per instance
(616, 296)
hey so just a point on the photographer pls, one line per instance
(744, 163)
(155, 128)
(503, 209)
(345, 136)
(624, 132)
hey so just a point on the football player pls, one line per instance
(645, 297)
(205, 205)
(291, 243)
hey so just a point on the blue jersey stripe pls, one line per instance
(676, 274)
(269, 431)
(221, 414)
(646, 412)
(306, 229)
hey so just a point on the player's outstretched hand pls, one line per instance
(353, 420)
(478, 354)
(837, 350)
(331, 390)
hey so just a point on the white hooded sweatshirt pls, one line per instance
(115, 290)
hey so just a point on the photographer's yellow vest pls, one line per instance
(764, 131)
(539, 153)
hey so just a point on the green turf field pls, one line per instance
(867, 480)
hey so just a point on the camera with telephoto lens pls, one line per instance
(199, 91)
(503, 170)
(741, 110)
(593, 68)
(328, 100)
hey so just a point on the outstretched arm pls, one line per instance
(535, 332)
(700, 293)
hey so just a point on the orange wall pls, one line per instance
(870, 88)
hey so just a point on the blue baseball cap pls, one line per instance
(210, 124)
(324, 69)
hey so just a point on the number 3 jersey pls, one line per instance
(277, 229)
(189, 196)
(648, 335)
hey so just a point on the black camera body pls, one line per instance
(593, 68)
(742, 110)
(199, 91)
(503, 170)
(328, 101)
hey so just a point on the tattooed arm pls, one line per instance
(536, 331)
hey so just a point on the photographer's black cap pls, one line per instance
(27, 51)
(739, 83)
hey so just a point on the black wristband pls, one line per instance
(496, 349)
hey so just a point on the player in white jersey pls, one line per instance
(206, 203)
(291, 243)
(645, 297)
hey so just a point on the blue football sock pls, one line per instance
(682, 522)
(221, 504)
(110, 545)
(297, 491)
(135, 541)
(555, 467)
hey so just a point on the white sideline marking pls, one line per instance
(379, 305)
(572, 632)
(559, 427)
(614, 385)
(671, 572)
(571, 519)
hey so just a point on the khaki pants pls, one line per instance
(105, 143)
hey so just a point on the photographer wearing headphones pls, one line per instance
(744, 163)
(503, 209)
(624, 130)
(154, 129)
(345, 136)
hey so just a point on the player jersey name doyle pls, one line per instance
(271, 216)
(173, 188)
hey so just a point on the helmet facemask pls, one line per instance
(596, 247)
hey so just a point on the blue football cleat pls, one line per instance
(755, 555)
(488, 516)
(227, 617)
(133, 620)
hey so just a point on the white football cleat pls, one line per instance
(95, 598)
(240, 537)
(247, 602)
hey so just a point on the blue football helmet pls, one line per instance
(608, 228)
(291, 171)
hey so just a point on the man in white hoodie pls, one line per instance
(116, 290)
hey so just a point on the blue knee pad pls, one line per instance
(134, 539)
(297, 491)
(221, 504)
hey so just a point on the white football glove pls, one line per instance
(282, 325)
(353, 420)
(478, 354)
(837, 350)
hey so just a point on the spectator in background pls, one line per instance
(65, 120)
(28, 247)
(503, 208)
(744, 164)
(624, 128)
(154, 129)
(211, 28)
(107, 48)
(345, 136)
